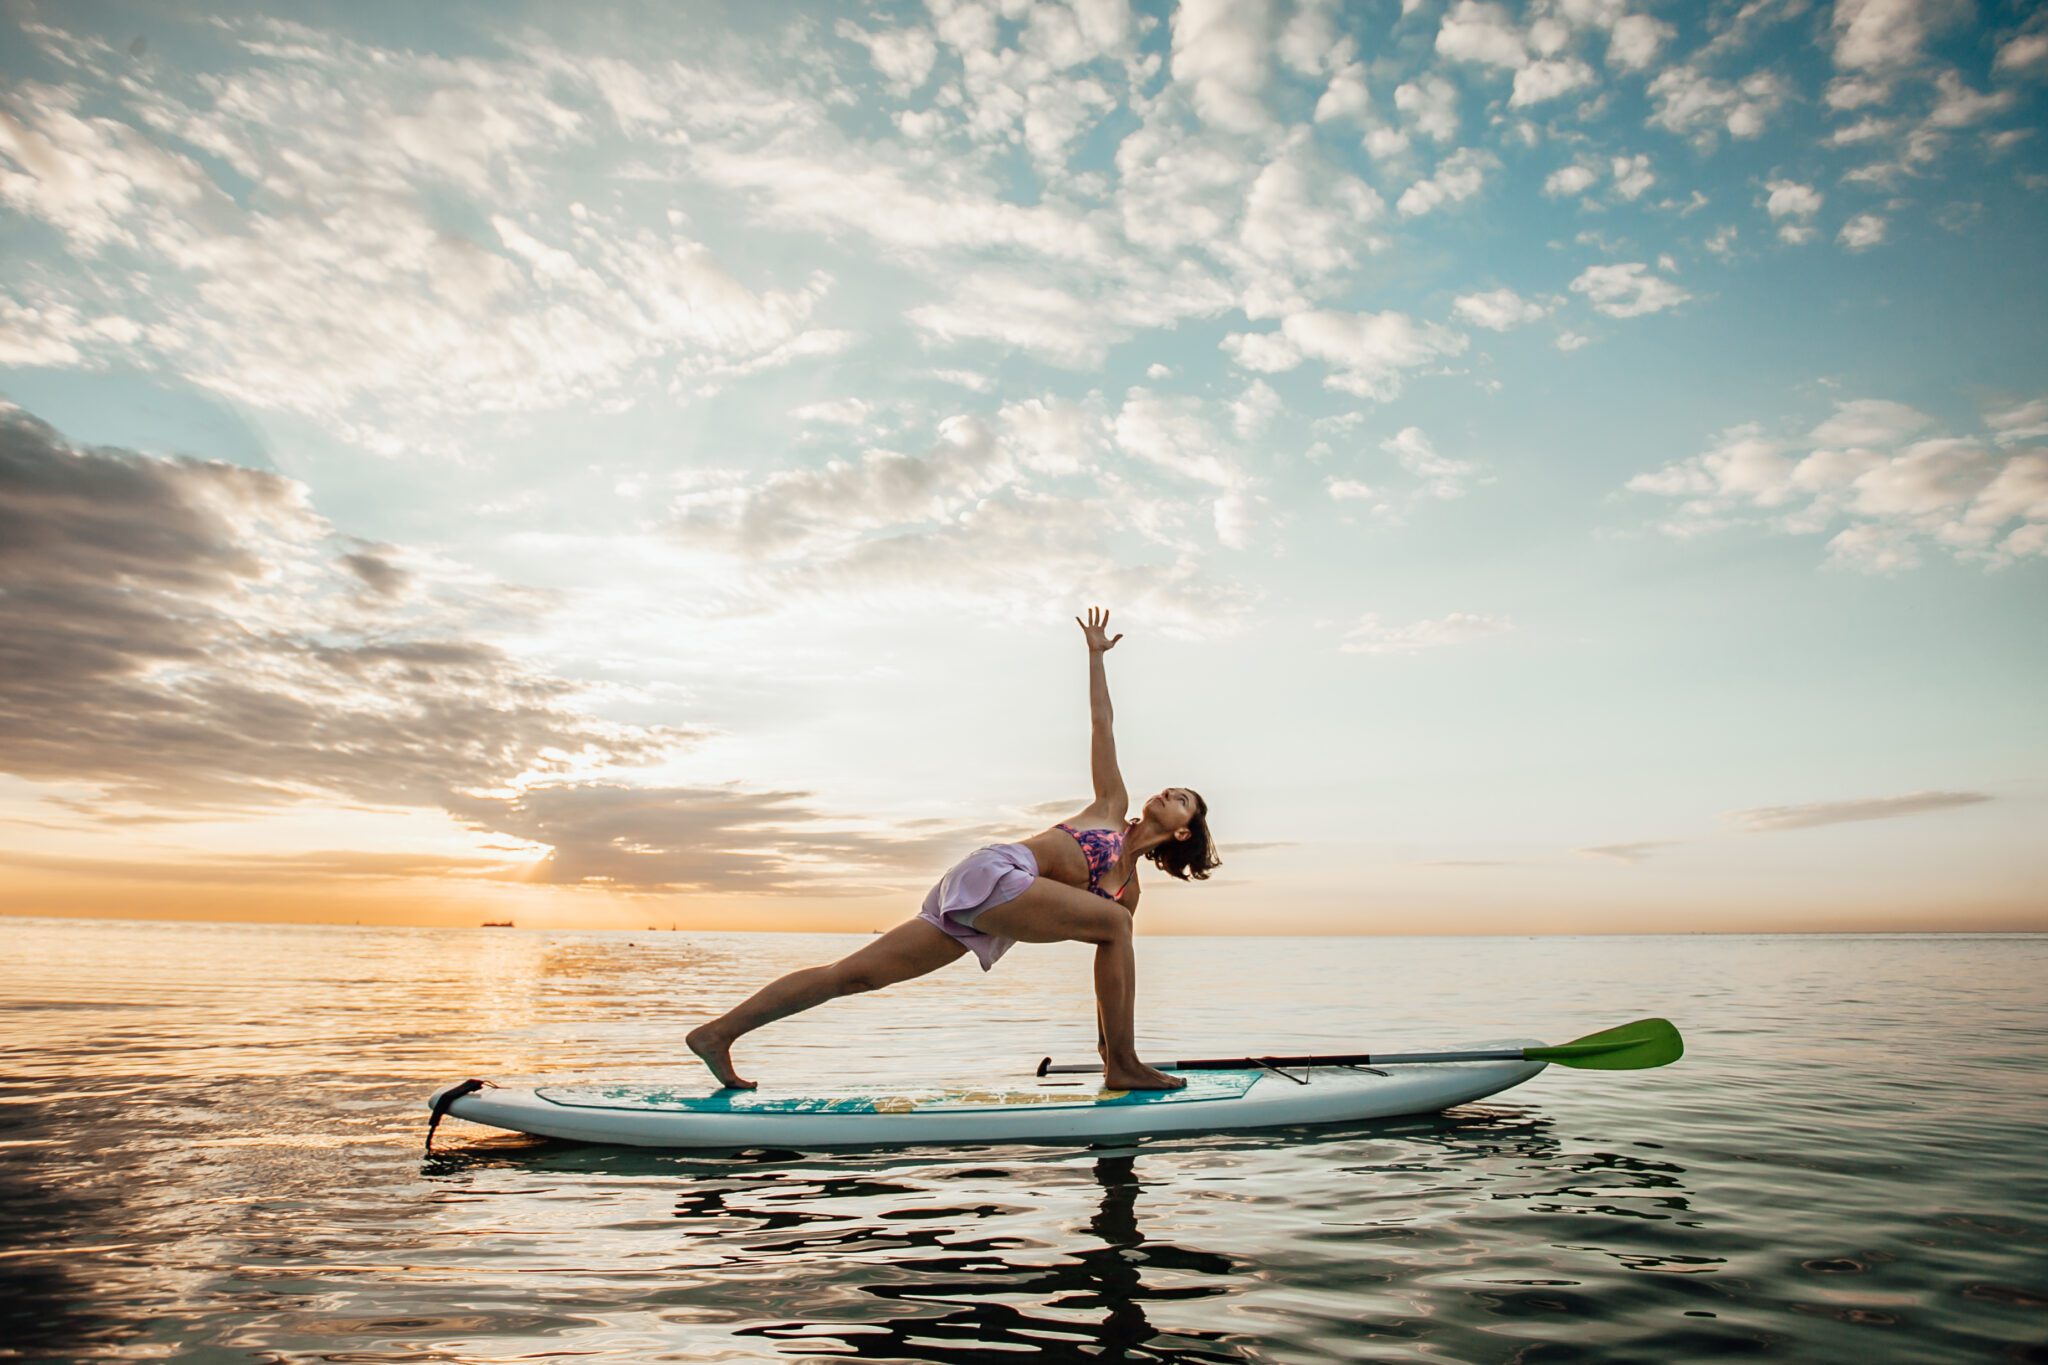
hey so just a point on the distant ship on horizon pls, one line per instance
(498, 924)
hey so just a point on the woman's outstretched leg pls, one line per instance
(910, 949)
(1053, 912)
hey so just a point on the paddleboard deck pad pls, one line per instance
(697, 1114)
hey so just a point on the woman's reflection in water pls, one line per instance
(1106, 1277)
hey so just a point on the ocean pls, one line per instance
(211, 1152)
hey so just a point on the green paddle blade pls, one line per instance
(1632, 1047)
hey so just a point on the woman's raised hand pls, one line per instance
(1096, 628)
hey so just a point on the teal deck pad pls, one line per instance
(1202, 1085)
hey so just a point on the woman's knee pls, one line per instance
(1110, 925)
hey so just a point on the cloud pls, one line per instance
(1569, 180)
(2025, 52)
(1429, 104)
(1498, 309)
(1483, 33)
(338, 292)
(1626, 853)
(1542, 81)
(1690, 102)
(1765, 819)
(1441, 477)
(1636, 40)
(987, 517)
(1862, 232)
(192, 634)
(1792, 206)
(903, 56)
(1458, 177)
(1879, 35)
(1367, 353)
(2021, 422)
(1372, 636)
(679, 839)
(1627, 291)
(1221, 52)
(1861, 472)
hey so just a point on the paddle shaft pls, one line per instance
(1492, 1054)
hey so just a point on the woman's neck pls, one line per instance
(1143, 837)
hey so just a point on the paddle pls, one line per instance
(1632, 1047)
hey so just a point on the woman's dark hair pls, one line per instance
(1194, 857)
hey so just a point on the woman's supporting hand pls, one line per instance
(1096, 628)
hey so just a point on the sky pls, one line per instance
(1575, 467)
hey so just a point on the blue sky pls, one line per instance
(1566, 467)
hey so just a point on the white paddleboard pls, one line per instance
(696, 1114)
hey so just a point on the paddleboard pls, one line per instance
(695, 1114)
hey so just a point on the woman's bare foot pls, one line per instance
(716, 1052)
(1138, 1076)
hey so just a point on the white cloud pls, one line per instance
(1624, 853)
(1303, 220)
(1252, 411)
(1869, 422)
(1482, 32)
(1863, 231)
(1498, 309)
(1789, 198)
(1569, 180)
(2021, 422)
(1346, 96)
(1309, 42)
(1372, 636)
(1636, 40)
(1881, 34)
(1632, 175)
(1220, 52)
(1367, 353)
(1429, 105)
(1792, 206)
(1458, 177)
(1763, 819)
(1547, 79)
(1627, 290)
(1861, 471)
(1441, 477)
(1691, 102)
(904, 56)
(2023, 53)
(1171, 434)
(849, 412)
(1959, 106)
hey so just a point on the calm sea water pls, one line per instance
(211, 1153)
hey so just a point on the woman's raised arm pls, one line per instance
(1110, 797)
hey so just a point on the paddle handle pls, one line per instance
(1491, 1054)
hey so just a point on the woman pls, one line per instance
(1077, 880)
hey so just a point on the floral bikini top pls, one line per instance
(1102, 848)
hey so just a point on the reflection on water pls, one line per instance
(209, 1150)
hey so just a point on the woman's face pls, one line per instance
(1172, 808)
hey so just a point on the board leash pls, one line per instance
(448, 1097)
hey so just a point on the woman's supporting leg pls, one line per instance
(1053, 912)
(910, 949)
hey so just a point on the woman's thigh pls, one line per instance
(1053, 912)
(912, 948)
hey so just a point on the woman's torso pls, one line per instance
(1063, 855)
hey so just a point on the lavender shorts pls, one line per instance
(982, 880)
